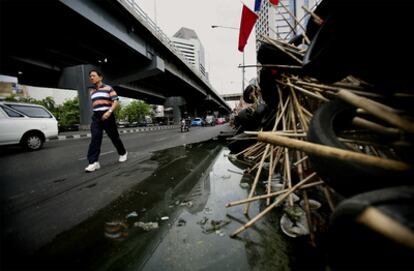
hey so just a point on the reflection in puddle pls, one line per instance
(175, 220)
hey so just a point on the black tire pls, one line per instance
(268, 87)
(352, 245)
(32, 141)
(347, 178)
(325, 58)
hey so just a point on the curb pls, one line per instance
(125, 131)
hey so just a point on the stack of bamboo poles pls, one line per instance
(285, 148)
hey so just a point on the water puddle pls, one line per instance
(176, 220)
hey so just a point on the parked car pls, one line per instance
(210, 120)
(197, 122)
(220, 120)
(26, 124)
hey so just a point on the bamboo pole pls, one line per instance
(283, 50)
(256, 179)
(303, 121)
(388, 131)
(270, 175)
(249, 170)
(273, 194)
(285, 44)
(318, 20)
(332, 152)
(328, 197)
(323, 87)
(297, 21)
(273, 205)
(275, 163)
(300, 161)
(385, 225)
(287, 161)
(376, 110)
(304, 91)
(289, 67)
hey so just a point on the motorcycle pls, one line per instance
(184, 126)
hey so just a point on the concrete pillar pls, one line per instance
(177, 103)
(77, 77)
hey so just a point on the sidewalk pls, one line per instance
(85, 134)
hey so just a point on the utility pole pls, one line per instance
(234, 28)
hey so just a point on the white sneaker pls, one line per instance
(92, 167)
(123, 158)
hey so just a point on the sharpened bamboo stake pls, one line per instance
(273, 194)
(332, 152)
(273, 205)
(378, 111)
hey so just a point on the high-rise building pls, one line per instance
(188, 43)
(278, 22)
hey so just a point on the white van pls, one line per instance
(26, 124)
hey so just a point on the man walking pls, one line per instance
(104, 102)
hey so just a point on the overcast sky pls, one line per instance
(220, 44)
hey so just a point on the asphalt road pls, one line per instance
(46, 192)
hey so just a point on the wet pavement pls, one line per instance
(176, 220)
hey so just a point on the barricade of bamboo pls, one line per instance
(285, 148)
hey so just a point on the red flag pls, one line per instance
(274, 2)
(248, 19)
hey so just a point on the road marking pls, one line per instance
(105, 153)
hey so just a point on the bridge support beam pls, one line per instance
(77, 77)
(156, 66)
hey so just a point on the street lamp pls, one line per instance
(234, 28)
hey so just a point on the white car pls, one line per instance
(26, 124)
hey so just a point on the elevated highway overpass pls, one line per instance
(55, 43)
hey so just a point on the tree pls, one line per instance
(69, 113)
(135, 111)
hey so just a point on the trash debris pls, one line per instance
(146, 226)
(181, 222)
(226, 176)
(234, 171)
(116, 230)
(208, 211)
(187, 203)
(165, 218)
(313, 204)
(245, 185)
(203, 221)
(293, 222)
(216, 225)
(133, 214)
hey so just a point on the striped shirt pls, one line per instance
(102, 97)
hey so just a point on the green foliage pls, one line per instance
(69, 112)
(134, 111)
